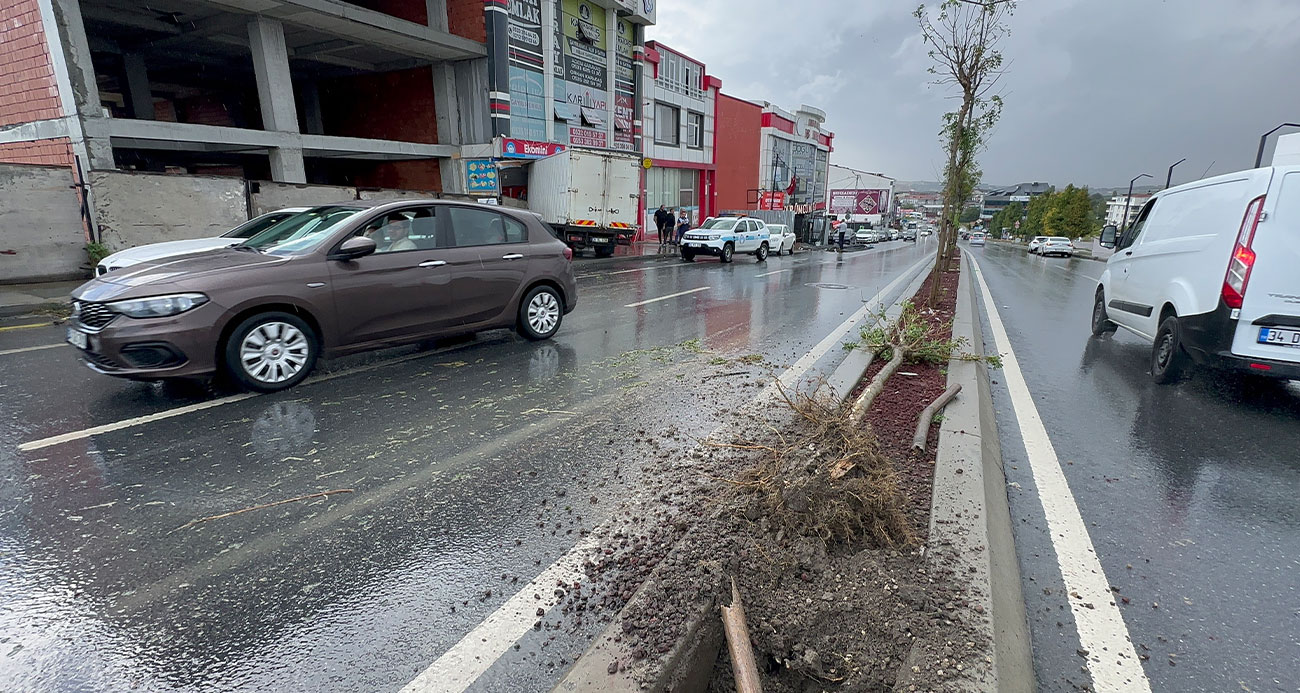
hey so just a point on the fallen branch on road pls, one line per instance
(927, 415)
(743, 667)
(318, 494)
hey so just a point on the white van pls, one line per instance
(1207, 273)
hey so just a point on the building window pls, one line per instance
(695, 130)
(688, 193)
(678, 74)
(668, 124)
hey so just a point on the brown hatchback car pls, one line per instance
(332, 280)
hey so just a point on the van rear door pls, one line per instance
(1269, 327)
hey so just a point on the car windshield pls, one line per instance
(254, 226)
(719, 224)
(301, 232)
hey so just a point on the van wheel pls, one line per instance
(271, 351)
(727, 251)
(762, 252)
(540, 313)
(1101, 323)
(1168, 360)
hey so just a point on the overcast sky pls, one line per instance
(1096, 91)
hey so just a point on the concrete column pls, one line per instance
(437, 11)
(549, 9)
(139, 97)
(275, 95)
(314, 119)
(476, 126)
(446, 104)
(274, 82)
(498, 67)
(611, 73)
(74, 74)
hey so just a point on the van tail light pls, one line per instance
(1243, 258)
(568, 253)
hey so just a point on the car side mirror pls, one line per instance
(353, 248)
(1109, 236)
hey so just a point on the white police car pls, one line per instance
(726, 236)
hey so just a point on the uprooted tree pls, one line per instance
(963, 36)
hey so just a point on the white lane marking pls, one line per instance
(775, 272)
(665, 298)
(461, 666)
(191, 408)
(1112, 661)
(6, 352)
(465, 662)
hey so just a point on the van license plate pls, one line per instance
(1272, 335)
(78, 339)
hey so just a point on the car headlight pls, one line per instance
(158, 306)
(715, 236)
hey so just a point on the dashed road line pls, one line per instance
(765, 274)
(665, 298)
(1112, 661)
(6, 352)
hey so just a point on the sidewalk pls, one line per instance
(20, 299)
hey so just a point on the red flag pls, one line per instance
(793, 180)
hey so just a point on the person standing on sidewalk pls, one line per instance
(664, 221)
(683, 225)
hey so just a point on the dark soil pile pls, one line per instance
(822, 525)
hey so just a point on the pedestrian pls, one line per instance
(664, 222)
(683, 225)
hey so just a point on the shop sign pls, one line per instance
(588, 137)
(481, 176)
(527, 149)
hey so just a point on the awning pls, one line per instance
(592, 117)
(588, 32)
(563, 111)
(622, 123)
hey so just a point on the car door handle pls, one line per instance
(433, 263)
(512, 256)
(1128, 252)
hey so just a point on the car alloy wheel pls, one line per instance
(273, 352)
(762, 252)
(540, 313)
(727, 250)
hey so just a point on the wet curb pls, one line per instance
(969, 516)
(20, 309)
(608, 665)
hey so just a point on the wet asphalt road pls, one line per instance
(472, 466)
(1189, 492)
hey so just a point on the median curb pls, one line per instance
(606, 665)
(969, 515)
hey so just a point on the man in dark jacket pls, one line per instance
(664, 220)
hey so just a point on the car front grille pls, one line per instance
(93, 316)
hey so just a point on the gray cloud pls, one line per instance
(1096, 90)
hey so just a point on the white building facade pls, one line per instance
(1115, 209)
(794, 159)
(679, 112)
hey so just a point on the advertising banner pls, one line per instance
(623, 105)
(528, 108)
(588, 137)
(771, 201)
(586, 83)
(481, 176)
(859, 201)
(512, 148)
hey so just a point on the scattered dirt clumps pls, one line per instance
(822, 525)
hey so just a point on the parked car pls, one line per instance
(865, 237)
(1036, 243)
(1055, 245)
(723, 237)
(155, 251)
(332, 280)
(1206, 274)
(977, 238)
(780, 239)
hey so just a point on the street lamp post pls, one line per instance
(1170, 176)
(1129, 199)
(1259, 155)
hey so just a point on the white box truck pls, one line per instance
(589, 197)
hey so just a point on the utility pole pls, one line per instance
(1170, 175)
(1259, 155)
(1129, 199)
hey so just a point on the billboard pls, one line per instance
(852, 201)
(771, 201)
